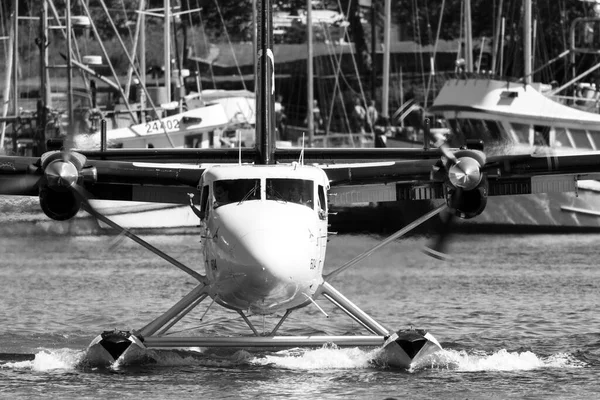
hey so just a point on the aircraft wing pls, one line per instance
(102, 179)
(441, 178)
(464, 178)
(157, 175)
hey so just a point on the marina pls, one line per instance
(180, 241)
(501, 112)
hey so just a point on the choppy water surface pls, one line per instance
(517, 316)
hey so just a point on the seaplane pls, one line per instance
(263, 219)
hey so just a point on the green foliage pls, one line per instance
(223, 20)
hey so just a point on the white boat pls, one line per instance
(519, 114)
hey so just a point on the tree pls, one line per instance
(235, 14)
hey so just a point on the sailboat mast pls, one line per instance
(264, 74)
(167, 48)
(15, 75)
(310, 95)
(497, 38)
(9, 72)
(527, 42)
(43, 37)
(468, 38)
(142, 60)
(70, 69)
(385, 90)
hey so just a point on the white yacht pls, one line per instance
(547, 118)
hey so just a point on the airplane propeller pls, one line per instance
(24, 184)
(58, 177)
(461, 171)
(437, 247)
(84, 197)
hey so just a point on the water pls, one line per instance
(516, 315)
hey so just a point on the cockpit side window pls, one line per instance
(322, 205)
(297, 191)
(235, 191)
(204, 199)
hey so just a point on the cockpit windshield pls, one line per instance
(235, 191)
(298, 191)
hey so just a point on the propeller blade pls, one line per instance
(82, 194)
(23, 184)
(386, 241)
(437, 249)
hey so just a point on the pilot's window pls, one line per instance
(321, 205)
(204, 198)
(298, 191)
(235, 191)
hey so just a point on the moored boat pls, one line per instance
(519, 115)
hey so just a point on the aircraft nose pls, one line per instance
(276, 254)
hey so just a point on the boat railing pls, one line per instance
(588, 104)
(342, 140)
(485, 75)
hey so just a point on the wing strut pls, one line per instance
(88, 207)
(386, 241)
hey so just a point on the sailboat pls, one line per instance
(196, 120)
(159, 118)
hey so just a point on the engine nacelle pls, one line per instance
(59, 205)
(468, 203)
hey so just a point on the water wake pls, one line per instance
(327, 357)
(48, 360)
(501, 360)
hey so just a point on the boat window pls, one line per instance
(522, 132)
(466, 128)
(494, 129)
(298, 191)
(580, 139)
(482, 129)
(477, 129)
(561, 138)
(594, 135)
(456, 138)
(235, 191)
(541, 135)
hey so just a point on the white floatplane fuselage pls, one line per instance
(264, 235)
(264, 238)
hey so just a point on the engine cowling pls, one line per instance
(59, 205)
(62, 173)
(467, 203)
(467, 186)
